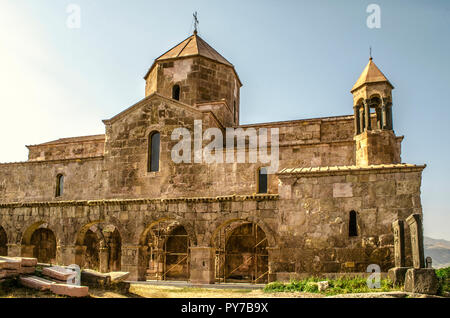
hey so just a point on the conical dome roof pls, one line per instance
(371, 74)
(192, 46)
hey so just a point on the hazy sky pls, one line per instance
(296, 59)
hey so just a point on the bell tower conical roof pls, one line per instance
(370, 74)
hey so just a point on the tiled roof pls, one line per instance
(73, 140)
(330, 169)
(371, 74)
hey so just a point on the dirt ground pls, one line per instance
(152, 291)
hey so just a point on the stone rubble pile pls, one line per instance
(59, 280)
(14, 266)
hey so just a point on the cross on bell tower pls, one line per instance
(196, 23)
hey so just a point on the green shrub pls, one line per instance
(443, 275)
(341, 285)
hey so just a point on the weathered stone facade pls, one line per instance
(207, 222)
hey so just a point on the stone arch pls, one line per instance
(98, 246)
(40, 242)
(164, 250)
(188, 226)
(220, 223)
(241, 251)
(3, 242)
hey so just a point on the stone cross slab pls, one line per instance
(399, 243)
(415, 227)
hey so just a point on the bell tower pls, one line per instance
(375, 139)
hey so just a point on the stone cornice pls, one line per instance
(345, 170)
(252, 197)
(55, 161)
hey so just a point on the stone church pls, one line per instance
(118, 201)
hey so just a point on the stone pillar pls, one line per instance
(415, 227)
(143, 252)
(202, 265)
(361, 120)
(273, 259)
(13, 249)
(104, 259)
(66, 255)
(399, 243)
(356, 112)
(390, 125)
(368, 122)
(27, 250)
(383, 117)
(79, 254)
(130, 261)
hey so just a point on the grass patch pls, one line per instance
(342, 285)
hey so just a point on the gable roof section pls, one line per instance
(141, 103)
(80, 139)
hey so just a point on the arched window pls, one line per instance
(352, 224)
(262, 180)
(176, 92)
(59, 185)
(153, 151)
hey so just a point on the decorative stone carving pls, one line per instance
(415, 227)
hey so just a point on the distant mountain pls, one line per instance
(439, 250)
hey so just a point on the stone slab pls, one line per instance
(57, 272)
(119, 276)
(69, 290)
(36, 282)
(9, 263)
(28, 261)
(397, 275)
(27, 270)
(421, 281)
(91, 277)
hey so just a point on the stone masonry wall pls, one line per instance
(314, 217)
(306, 225)
(201, 80)
(123, 171)
(36, 181)
(78, 147)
